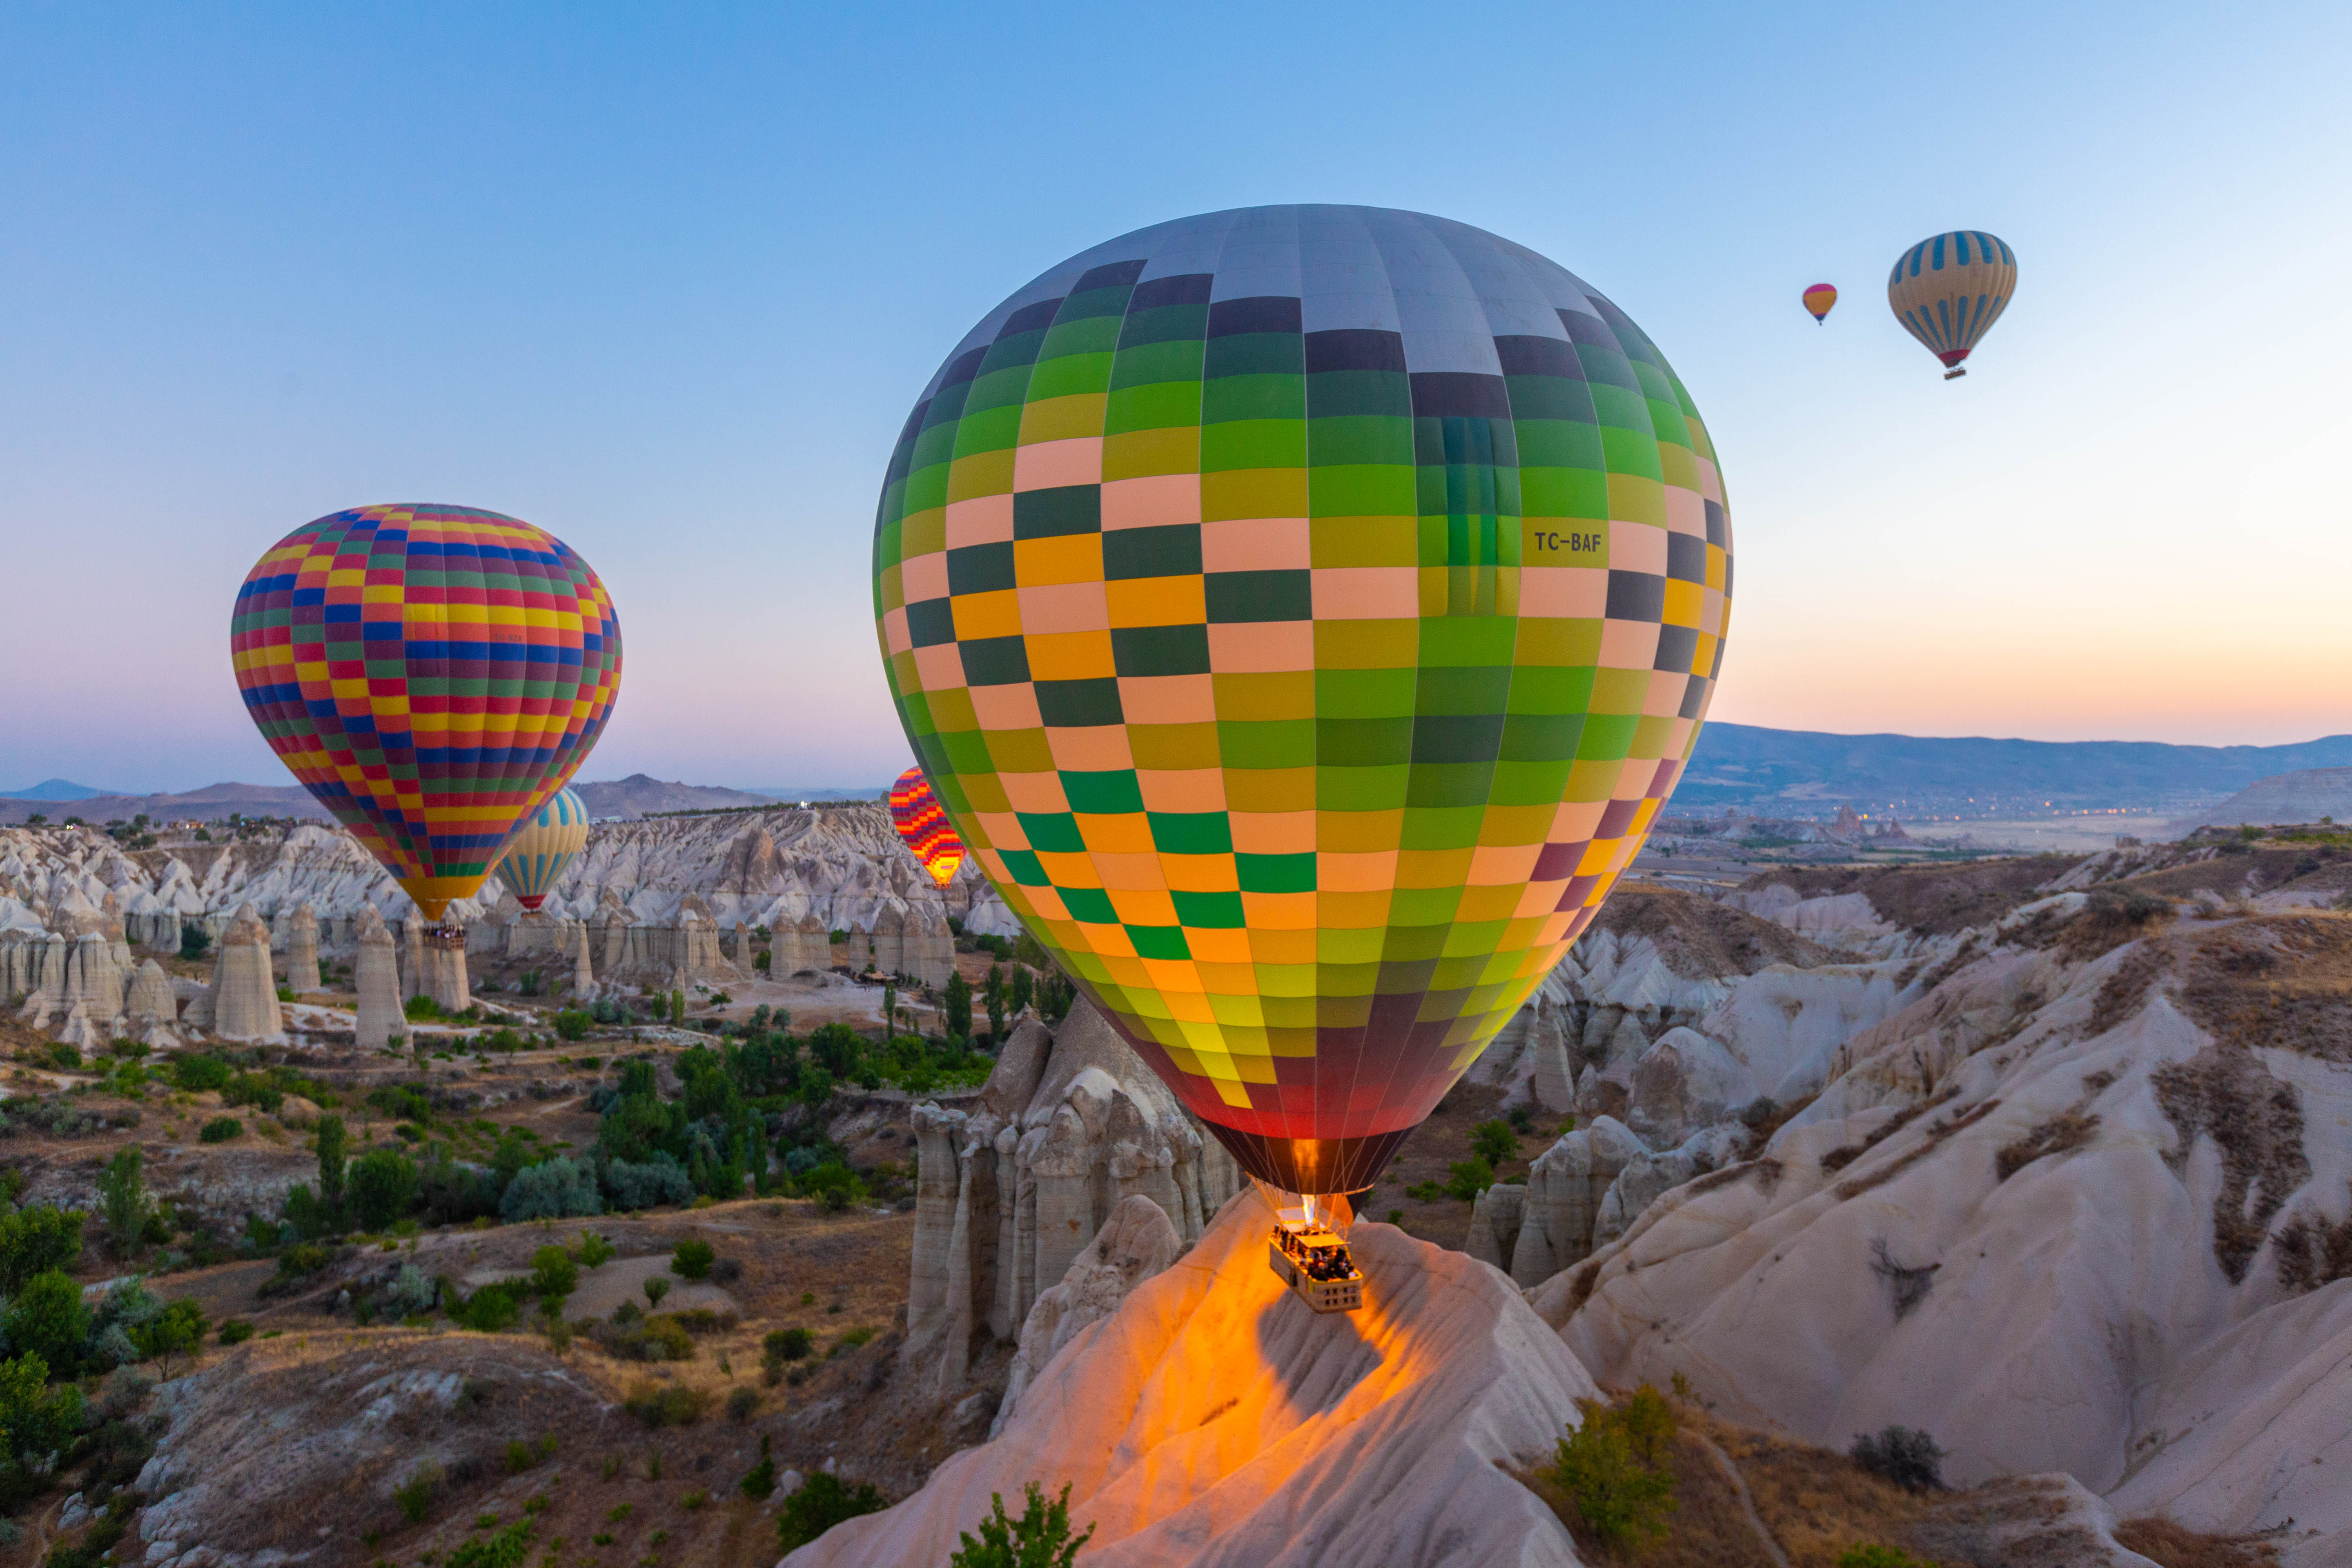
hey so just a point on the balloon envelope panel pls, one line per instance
(930, 836)
(431, 674)
(542, 848)
(1949, 290)
(1819, 298)
(1302, 613)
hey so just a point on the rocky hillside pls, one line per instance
(2051, 1158)
(640, 795)
(842, 863)
(2305, 796)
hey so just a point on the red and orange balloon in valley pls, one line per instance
(915, 812)
(1819, 298)
(433, 674)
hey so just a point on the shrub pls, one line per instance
(786, 1344)
(411, 1293)
(1902, 1455)
(740, 1404)
(235, 1331)
(220, 1129)
(821, 1503)
(509, 1548)
(414, 1496)
(559, 1188)
(177, 1330)
(661, 1180)
(659, 1405)
(656, 1287)
(1494, 1140)
(553, 1274)
(692, 1259)
(1040, 1538)
(193, 942)
(593, 1250)
(1872, 1555)
(490, 1310)
(1615, 1468)
(382, 1184)
(573, 1024)
(760, 1482)
(642, 1338)
(1465, 1179)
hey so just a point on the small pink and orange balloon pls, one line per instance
(915, 812)
(1819, 298)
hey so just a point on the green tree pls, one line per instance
(1040, 1538)
(1024, 982)
(383, 1182)
(36, 1422)
(177, 1330)
(36, 1240)
(1494, 1141)
(958, 1007)
(889, 1012)
(678, 1009)
(1872, 1555)
(123, 1201)
(1465, 1179)
(47, 1319)
(553, 1274)
(992, 992)
(692, 1259)
(1619, 1492)
(821, 1503)
(331, 1163)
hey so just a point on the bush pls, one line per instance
(786, 1344)
(193, 942)
(661, 1180)
(414, 1497)
(1616, 1467)
(593, 1250)
(821, 1503)
(235, 1331)
(573, 1024)
(1494, 1140)
(509, 1548)
(740, 1404)
(1040, 1538)
(692, 1259)
(553, 1274)
(490, 1310)
(1872, 1555)
(637, 1337)
(1902, 1455)
(1465, 1179)
(47, 1319)
(559, 1188)
(220, 1129)
(123, 1200)
(659, 1405)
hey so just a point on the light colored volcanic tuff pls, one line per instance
(2305, 796)
(2066, 1180)
(1215, 1419)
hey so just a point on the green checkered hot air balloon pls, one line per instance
(1303, 614)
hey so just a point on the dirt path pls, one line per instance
(1770, 1547)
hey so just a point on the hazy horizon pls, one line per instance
(668, 283)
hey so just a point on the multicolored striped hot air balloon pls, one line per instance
(1949, 290)
(1304, 613)
(432, 674)
(1819, 298)
(542, 847)
(916, 813)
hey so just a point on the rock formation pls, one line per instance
(302, 952)
(244, 990)
(376, 973)
(583, 977)
(1137, 1242)
(1008, 1195)
(150, 1005)
(1215, 1419)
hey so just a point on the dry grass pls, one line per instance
(2257, 1121)
(2177, 1546)
(2283, 980)
(2065, 1132)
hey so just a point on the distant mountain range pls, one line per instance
(1802, 770)
(211, 803)
(52, 789)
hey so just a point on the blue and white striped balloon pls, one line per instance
(543, 847)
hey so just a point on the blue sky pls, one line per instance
(665, 280)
